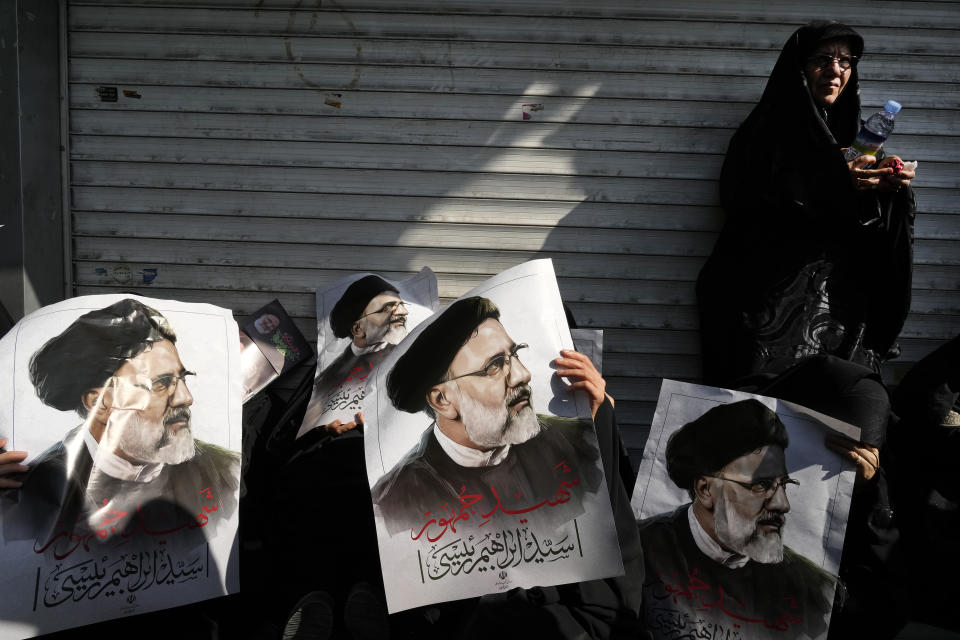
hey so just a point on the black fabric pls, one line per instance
(283, 424)
(323, 535)
(266, 555)
(797, 232)
(922, 454)
(256, 412)
(686, 592)
(307, 522)
(838, 388)
(931, 388)
(6, 321)
(872, 569)
(925, 449)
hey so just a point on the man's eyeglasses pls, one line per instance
(163, 384)
(495, 365)
(389, 307)
(824, 61)
(764, 487)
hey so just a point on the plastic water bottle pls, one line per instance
(874, 132)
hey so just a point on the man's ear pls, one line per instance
(703, 491)
(441, 404)
(91, 398)
(98, 401)
(357, 331)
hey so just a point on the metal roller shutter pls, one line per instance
(260, 148)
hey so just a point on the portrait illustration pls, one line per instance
(270, 345)
(360, 319)
(476, 450)
(130, 414)
(741, 513)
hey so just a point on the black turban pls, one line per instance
(354, 300)
(90, 351)
(718, 437)
(426, 362)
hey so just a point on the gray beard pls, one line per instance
(745, 536)
(388, 333)
(491, 427)
(147, 441)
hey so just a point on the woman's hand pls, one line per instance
(866, 179)
(901, 176)
(578, 368)
(9, 464)
(866, 458)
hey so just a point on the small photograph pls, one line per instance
(279, 347)
(255, 370)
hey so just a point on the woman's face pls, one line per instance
(827, 79)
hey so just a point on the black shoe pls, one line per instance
(365, 613)
(311, 619)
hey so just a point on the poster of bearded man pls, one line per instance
(742, 512)
(130, 411)
(484, 468)
(360, 319)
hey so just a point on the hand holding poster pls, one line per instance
(742, 512)
(130, 504)
(485, 471)
(589, 342)
(360, 319)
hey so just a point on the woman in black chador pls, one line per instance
(809, 283)
(815, 256)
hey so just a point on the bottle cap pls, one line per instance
(892, 106)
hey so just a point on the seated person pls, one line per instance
(809, 283)
(328, 588)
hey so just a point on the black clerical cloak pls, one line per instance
(688, 594)
(556, 468)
